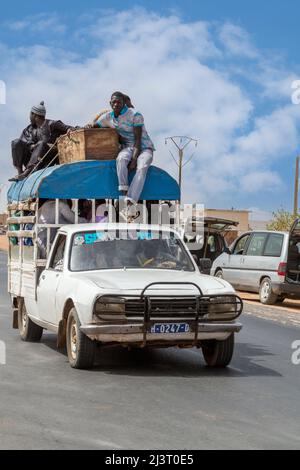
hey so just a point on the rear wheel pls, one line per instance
(29, 331)
(218, 353)
(266, 294)
(80, 348)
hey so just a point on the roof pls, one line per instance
(229, 210)
(217, 220)
(90, 179)
(74, 228)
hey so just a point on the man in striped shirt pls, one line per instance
(137, 149)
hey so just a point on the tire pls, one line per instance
(280, 299)
(29, 331)
(218, 353)
(219, 274)
(266, 294)
(80, 348)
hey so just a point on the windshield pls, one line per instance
(96, 250)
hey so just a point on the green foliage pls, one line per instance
(282, 220)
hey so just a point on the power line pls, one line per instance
(181, 143)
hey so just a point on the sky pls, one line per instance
(219, 71)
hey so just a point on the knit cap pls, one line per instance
(40, 109)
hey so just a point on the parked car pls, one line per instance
(207, 247)
(267, 262)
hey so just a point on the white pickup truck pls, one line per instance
(130, 285)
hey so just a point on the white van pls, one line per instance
(263, 261)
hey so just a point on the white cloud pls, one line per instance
(258, 181)
(165, 65)
(40, 23)
(237, 41)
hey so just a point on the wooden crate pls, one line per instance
(88, 144)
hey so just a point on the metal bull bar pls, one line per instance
(148, 306)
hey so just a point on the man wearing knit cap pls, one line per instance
(38, 153)
(21, 148)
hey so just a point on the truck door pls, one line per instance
(292, 257)
(49, 282)
(295, 229)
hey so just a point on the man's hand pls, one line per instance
(89, 125)
(132, 164)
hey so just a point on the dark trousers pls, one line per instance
(21, 153)
(23, 156)
(38, 153)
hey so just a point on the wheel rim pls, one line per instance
(219, 275)
(265, 290)
(73, 339)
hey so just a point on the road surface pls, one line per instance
(162, 399)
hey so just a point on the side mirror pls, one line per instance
(205, 265)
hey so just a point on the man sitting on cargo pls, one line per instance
(137, 150)
(22, 148)
(47, 131)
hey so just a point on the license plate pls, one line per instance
(170, 328)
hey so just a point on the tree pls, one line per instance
(282, 220)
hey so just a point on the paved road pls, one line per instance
(164, 399)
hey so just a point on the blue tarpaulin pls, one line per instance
(90, 179)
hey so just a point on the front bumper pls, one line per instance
(136, 333)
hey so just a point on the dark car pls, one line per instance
(205, 238)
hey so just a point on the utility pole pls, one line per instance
(296, 187)
(181, 142)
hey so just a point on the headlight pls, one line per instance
(110, 308)
(224, 308)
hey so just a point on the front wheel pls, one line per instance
(28, 330)
(80, 348)
(218, 353)
(266, 294)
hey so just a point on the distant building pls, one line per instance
(3, 218)
(259, 224)
(240, 216)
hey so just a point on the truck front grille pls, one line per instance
(165, 307)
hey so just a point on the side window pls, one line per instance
(256, 245)
(240, 245)
(274, 245)
(58, 254)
